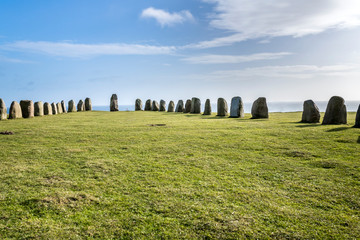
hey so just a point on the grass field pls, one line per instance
(111, 175)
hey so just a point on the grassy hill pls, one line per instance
(125, 175)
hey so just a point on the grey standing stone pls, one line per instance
(311, 113)
(54, 108)
(195, 105)
(162, 106)
(39, 109)
(357, 120)
(138, 105)
(259, 109)
(187, 108)
(222, 107)
(335, 111)
(207, 110)
(88, 105)
(3, 110)
(155, 106)
(148, 105)
(59, 108)
(27, 108)
(179, 106)
(81, 106)
(171, 106)
(113, 103)
(63, 107)
(71, 106)
(237, 108)
(15, 110)
(48, 109)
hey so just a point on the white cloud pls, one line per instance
(226, 59)
(12, 60)
(165, 18)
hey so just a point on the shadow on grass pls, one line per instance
(358, 141)
(307, 125)
(339, 129)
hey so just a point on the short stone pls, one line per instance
(54, 108)
(162, 106)
(39, 109)
(81, 106)
(88, 105)
(222, 107)
(138, 105)
(207, 110)
(171, 106)
(3, 110)
(357, 119)
(155, 106)
(187, 108)
(71, 106)
(195, 106)
(15, 110)
(27, 108)
(311, 113)
(113, 103)
(59, 108)
(335, 111)
(259, 109)
(148, 105)
(48, 109)
(236, 108)
(63, 107)
(179, 106)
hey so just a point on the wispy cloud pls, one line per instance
(12, 60)
(165, 18)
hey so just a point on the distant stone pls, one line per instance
(148, 105)
(207, 110)
(59, 108)
(88, 105)
(155, 106)
(15, 110)
(3, 110)
(138, 105)
(311, 113)
(48, 109)
(357, 120)
(171, 106)
(162, 106)
(63, 107)
(179, 106)
(259, 108)
(222, 107)
(195, 105)
(81, 106)
(237, 108)
(39, 109)
(71, 106)
(335, 111)
(54, 108)
(27, 108)
(187, 108)
(113, 103)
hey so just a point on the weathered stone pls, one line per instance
(59, 108)
(259, 108)
(207, 110)
(88, 105)
(3, 110)
(148, 105)
(187, 108)
(195, 105)
(48, 109)
(81, 106)
(63, 107)
(155, 106)
(311, 113)
(179, 106)
(222, 107)
(162, 106)
(138, 105)
(54, 108)
(113, 103)
(357, 119)
(15, 110)
(171, 106)
(71, 106)
(39, 109)
(27, 108)
(335, 111)
(237, 108)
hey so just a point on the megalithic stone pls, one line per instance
(71, 106)
(187, 108)
(259, 108)
(27, 108)
(114, 103)
(148, 105)
(222, 107)
(207, 110)
(162, 106)
(15, 110)
(54, 108)
(63, 107)
(311, 113)
(59, 108)
(195, 105)
(3, 110)
(88, 105)
(39, 109)
(335, 111)
(138, 105)
(48, 109)
(179, 106)
(236, 108)
(171, 106)
(155, 106)
(357, 119)
(81, 106)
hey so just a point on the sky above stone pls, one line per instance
(284, 50)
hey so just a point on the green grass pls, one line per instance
(111, 175)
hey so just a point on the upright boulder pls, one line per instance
(259, 108)
(81, 106)
(155, 106)
(15, 110)
(237, 108)
(335, 111)
(39, 109)
(207, 110)
(27, 108)
(187, 108)
(63, 107)
(138, 105)
(71, 106)
(59, 108)
(357, 120)
(113, 103)
(88, 105)
(162, 106)
(148, 105)
(54, 108)
(171, 106)
(3, 110)
(179, 106)
(311, 113)
(222, 107)
(48, 109)
(195, 105)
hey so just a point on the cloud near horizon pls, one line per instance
(165, 18)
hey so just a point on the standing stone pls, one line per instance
(155, 106)
(113, 103)
(71, 106)
(311, 113)
(207, 110)
(195, 105)
(15, 110)
(162, 106)
(81, 106)
(187, 108)
(3, 110)
(54, 108)
(357, 120)
(39, 109)
(259, 108)
(171, 107)
(179, 106)
(335, 111)
(48, 109)
(237, 108)
(138, 105)
(148, 105)
(63, 107)
(27, 108)
(222, 107)
(59, 108)
(88, 105)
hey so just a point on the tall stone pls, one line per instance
(207, 110)
(311, 113)
(155, 106)
(81, 106)
(15, 110)
(54, 108)
(259, 108)
(187, 108)
(171, 106)
(148, 105)
(162, 106)
(113, 103)
(357, 120)
(59, 108)
(179, 106)
(88, 105)
(71, 106)
(48, 109)
(27, 108)
(222, 107)
(63, 107)
(237, 108)
(195, 105)
(39, 109)
(3, 110)
(138, 105)
(335, 111)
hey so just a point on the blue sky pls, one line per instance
(285, 50)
